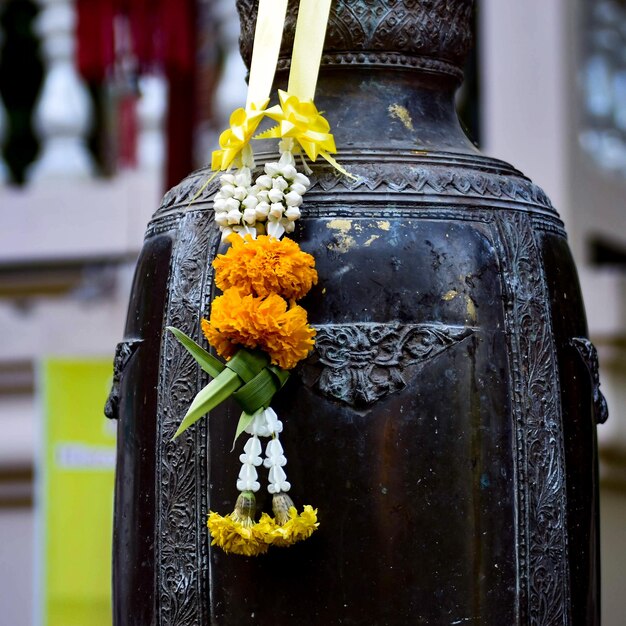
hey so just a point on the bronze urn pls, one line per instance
(444, 425)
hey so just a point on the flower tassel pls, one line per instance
(238, 532)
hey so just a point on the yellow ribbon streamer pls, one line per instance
(268, 33)
(302, 122)
(297, 115)
(308, 43)
(235, 140)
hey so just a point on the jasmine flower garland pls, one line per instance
(262, 333)
(269, 206)
(256, 325)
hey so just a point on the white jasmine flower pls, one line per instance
(248, 230)
(302, 180)
(240, 193)
(271, 169)
(278, 480)
(286, 156)
(227, 191)
(258, 426)
(269, 206)
(275, 460)
(274, 454)
(277, 210)
(275, 195)
(219, 204)
(265, 423)
(248, 478)
(292, 213)
(243, 177)
(264, 181)
(262, 211)
(234, 216)
(273, 423)
(221, 219)
(288, 171)
(293, 199)
(250, 202)
(279, 183)
(275, 229)
(226, 232)
(249, 216)
(232, 204)
(252, 451)
(298, 188)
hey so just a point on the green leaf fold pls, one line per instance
(206, 361)
(208, 398)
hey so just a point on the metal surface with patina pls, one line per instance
(445, 423)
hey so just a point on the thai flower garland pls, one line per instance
(256, 325)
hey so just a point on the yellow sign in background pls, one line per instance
(76, 474)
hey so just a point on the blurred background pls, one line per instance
(104, 104)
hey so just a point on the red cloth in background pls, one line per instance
(163, 34)
(94, 34)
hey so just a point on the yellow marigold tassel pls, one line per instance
(238, 532)
(288, 526)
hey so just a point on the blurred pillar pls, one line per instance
(151, 110)
(63, 113)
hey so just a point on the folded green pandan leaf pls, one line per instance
(207, 362)
(218, 390)
(248, 377)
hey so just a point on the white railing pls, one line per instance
(64, 116)
(63, 113)
(65, 211)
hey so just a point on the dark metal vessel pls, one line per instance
(445, 424)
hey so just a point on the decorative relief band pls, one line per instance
(372, 32)
(385, 60)
(540, 464)
(360, 364)
(181, 552)
(433, 180)
(389, 176)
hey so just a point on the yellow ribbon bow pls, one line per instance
(234, 141)
(301, 121)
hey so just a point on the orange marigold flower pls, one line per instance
(238, 319)
(265, 265)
